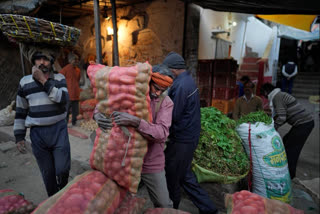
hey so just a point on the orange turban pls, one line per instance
(161, 80)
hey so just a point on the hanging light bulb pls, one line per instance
(109, 31)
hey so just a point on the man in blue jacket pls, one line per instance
(184, 137)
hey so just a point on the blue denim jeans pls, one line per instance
(51, 148)
(287, 85)
(178, 173)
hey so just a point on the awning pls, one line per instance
(302, 22)
(311, 7)
(294, 33)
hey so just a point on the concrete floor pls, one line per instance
(307, 171)
(308, 165)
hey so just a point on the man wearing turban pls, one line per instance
(156, 132)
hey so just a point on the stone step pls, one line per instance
(250, 59)
(250, 71)
(314, 77)
(307, 81)
(301, 95)
(309, 91)
(251, 74)
(304, 85)
(252, 54)
(249, 66)
(309, 74)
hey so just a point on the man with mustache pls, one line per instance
(41, 106)
(247, 103)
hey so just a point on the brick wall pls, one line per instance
(146, 32)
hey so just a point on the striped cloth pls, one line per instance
(38, 105)
(287, 109)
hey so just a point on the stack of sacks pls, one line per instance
(119, 152)
(88, 193)
(164, 211)
(245, 202)
(13, 202)
(130, 205)
(87, 107)
(117, 155)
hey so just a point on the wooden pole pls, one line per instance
(115, 34)
(97, 30)
(186, 3)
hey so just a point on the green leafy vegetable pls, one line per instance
(253, 117)
(220, 148)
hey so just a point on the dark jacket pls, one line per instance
(186, 123)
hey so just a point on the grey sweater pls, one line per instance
(287, 109)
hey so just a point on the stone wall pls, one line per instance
(192, 38)
(146, 32)
(10, 71)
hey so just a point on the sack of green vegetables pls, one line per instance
(263, 144)
(220, 156)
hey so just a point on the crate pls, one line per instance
(236, 93)
(225, 65)
(224, 79)
(204, 81)
(223, 93)
(225, 106)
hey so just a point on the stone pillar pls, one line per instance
(192, 38)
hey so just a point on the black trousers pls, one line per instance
(178, 174)
(74, 106)
(51, 148)
(293, 142)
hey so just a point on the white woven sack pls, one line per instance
(271, 176)
(7, 115)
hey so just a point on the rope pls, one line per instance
(2, 19)
(69, 35)
(64, 31)
(250, 171)
(52, 27)
(127, 133)
(25, 20)
(14, 21)
(36, 21)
